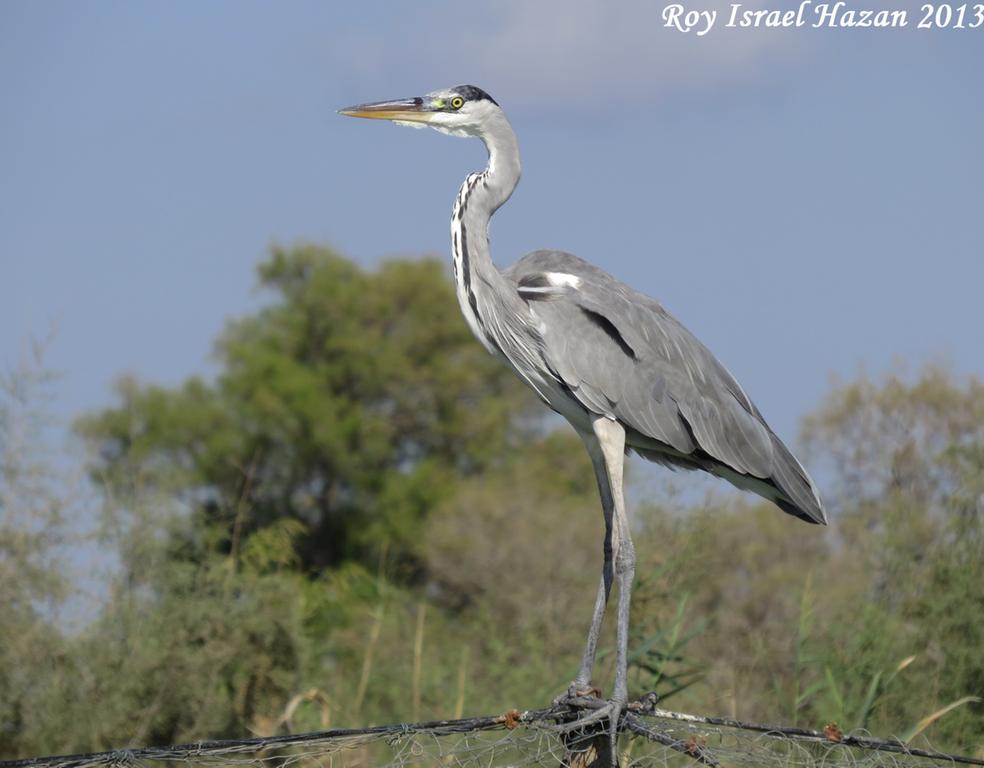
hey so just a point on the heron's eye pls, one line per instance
(457, 102)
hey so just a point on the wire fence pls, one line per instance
(649, 736)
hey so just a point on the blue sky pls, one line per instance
(809, 202)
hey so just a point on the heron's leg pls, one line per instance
(582, 683)
(611, 439)
(609, 444)
(583, 680)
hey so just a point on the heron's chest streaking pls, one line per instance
(464, 277)
(497, 316)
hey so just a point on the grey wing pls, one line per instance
(620, 354)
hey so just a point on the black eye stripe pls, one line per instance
(473, 93)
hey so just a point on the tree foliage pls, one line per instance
(350, 404)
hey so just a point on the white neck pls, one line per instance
(481, 195)
(504, 168)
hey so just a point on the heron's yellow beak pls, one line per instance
(415, 110)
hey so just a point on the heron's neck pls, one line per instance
(481, 195)
(502, 174)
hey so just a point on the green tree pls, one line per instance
(350, 403)
(908, 461)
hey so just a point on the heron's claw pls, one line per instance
(594, 710)
(580, 697)
(603, 712)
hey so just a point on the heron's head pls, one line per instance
(464, 110)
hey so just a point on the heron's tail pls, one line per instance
(789, 486)
(797, 494)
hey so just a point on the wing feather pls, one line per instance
(622, 355)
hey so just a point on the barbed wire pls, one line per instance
(650, 737)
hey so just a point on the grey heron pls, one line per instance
(621, 369)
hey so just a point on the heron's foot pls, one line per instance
(578, 695)
(592, 710)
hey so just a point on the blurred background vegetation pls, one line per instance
(364, 518)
